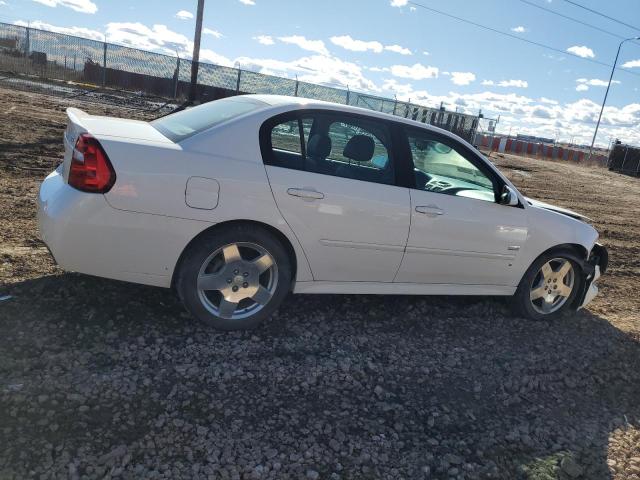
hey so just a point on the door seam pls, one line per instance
(404, 251)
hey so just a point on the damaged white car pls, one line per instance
(237, 202)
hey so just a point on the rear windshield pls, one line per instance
(178, 126)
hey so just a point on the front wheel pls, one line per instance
(550, 286)
(234, 278)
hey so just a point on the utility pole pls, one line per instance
(195, 61)
(606, 94)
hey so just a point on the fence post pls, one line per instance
(74, 63)
(64, 72)
(177, 81)
(27, 45)
(238, 82)
(297, 82)
(104, 65)
(395, 104)
(348, 94)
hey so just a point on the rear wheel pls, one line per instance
(550, 286)
(234, 278)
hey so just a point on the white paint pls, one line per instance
(348, 237)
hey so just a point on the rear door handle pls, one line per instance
(306, 193)
(430, 210)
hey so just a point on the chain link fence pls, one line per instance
(38, 60)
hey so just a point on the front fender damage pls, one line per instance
(595, 266)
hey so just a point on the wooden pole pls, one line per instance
(195, 61)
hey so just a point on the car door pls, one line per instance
(333, 179)
(459, 233)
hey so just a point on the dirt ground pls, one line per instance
(102, 379)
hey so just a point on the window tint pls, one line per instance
(286, 137)
(337, 145)
(181, 125)
(340, 134)
(442, 169)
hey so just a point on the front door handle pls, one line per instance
(306, 193)
(430, 210)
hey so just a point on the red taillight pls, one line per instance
(91, 170)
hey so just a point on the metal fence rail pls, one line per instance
(66, 65)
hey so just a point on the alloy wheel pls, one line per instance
(552, 286)
(237, 280)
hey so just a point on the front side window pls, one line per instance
(441, 168)
(333, 144)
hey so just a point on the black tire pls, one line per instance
(521, 302)
(201, 249)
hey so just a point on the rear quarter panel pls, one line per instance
(152, 178)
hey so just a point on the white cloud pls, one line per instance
(265, 39)
(518, 29)
(585, 83)
(159, 38)
(398, 49)
(462, 78)
(426, 53)
(543, 117)
(75, 31)
(316, 46)
(322, 69)
(248, 2)
(2, 2)
(184, 15)
(415, 72)
(399, 3)
(631, 64)
(581, 51)
(213, 33)
(82, 6)
(506, 83)
(349, 43)
(514, 83)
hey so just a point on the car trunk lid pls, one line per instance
(80, 122)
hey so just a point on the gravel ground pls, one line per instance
(102, 379)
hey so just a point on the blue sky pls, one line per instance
(392, 47)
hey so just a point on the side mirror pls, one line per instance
(509, 196)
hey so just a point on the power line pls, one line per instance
(602, 15)
(572, 19)
(516, 37)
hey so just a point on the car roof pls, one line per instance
(283, 101)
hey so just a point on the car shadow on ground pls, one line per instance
(95, 372)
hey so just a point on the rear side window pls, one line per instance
(285, 137)
(181, 125)
(333, 144)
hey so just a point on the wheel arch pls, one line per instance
(580, 252)
(282, 238)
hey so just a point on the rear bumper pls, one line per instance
(593, 268)
(86, 235)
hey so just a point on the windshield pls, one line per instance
(181, 125)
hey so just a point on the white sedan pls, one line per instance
(239, 201)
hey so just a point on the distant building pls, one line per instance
(532, 138)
